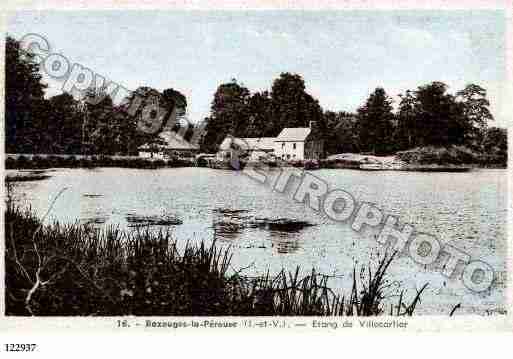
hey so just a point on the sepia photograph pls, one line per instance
(246, 167)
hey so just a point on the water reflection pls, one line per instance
(95, 220)
(165, 219)
(228, 223)
(283, 233)
(285, 243)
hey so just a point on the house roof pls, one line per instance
(293, 134)
(248, 143)
(173, 142)
(260, 143)
(228, 141)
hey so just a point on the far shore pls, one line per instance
(420, 159)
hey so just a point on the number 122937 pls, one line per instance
(20, 347)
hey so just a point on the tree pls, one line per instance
(24, 93)
(135, 127)
(495, 138)
(99, 129)
(175, 99)
(341, 135)
(229, 114)
(375, 123)
(292, 106)
(236, 112)
(406, 131)
(260, 121)
(63, 130)
(440, 119)
(475, 111)
(495, 145)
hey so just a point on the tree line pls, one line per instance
(63, 124)
(426, 116)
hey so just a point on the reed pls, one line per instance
(78, 270)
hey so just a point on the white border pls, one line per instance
(417, 323)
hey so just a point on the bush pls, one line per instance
(36, 160)
(159, 163)
(454, 155)
(70, 161)
(55, 161)
(105, 161)
(10, 163)
(202, 162)
(311, 165)
(22, 162)
(40, 162)
(137, 163)
(86, 163)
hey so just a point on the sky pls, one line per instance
(342, 55)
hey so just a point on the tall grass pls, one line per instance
(75, 270)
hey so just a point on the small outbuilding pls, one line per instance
(169, 145)
(251, 148)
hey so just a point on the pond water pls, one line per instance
(467, 210)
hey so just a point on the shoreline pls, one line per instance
(344, 161)
(46, 161)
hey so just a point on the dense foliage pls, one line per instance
(426, 116)
(63, 124)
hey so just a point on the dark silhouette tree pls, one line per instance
(341, 134)
(439, 116)
(175, 99)
(24, 93)
(261, 122)
(63, 128)
(292, 106)
(375, 123)
(476, 113)
(495, 145)
(406, 130)
(229, 114)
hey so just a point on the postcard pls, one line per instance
(277, 169)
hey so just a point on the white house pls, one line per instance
(297, 144)
(252, 149)
(172, 145)
(292, 144)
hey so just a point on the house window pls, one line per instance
(294, 146)
(282, 144)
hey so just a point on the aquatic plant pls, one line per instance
(75, 269)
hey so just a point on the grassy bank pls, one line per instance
(76, 270)
(53, 161)
(451, 156)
